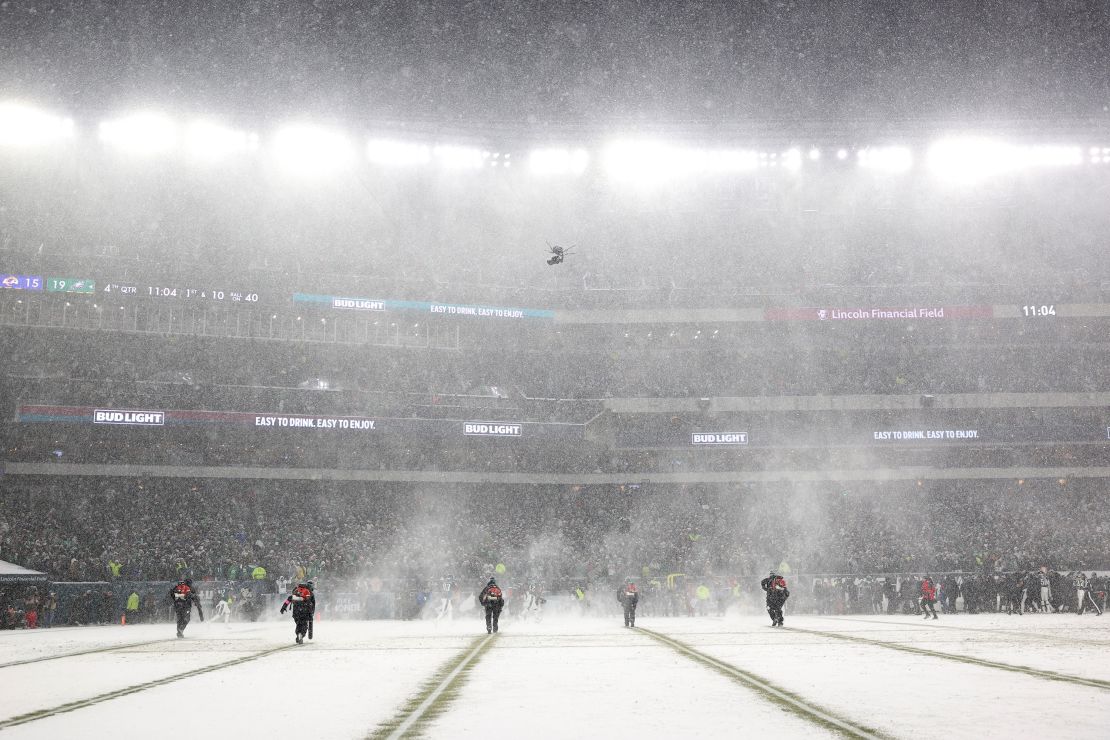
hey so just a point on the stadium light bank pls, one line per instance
(309, 149)
(649, 161)
(452, 157)
(144, 133)
(888, 159)
(970, 160)
(558, 161)
(209, 141)
(394, 153)
(26, 127)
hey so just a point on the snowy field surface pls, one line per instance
(857, 676)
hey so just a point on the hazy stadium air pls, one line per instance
(619, 369)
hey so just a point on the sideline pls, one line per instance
(435, 694)
(1035, 672)
(81, 703)
(788, 701)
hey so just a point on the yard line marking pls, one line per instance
(956, 627)
(435, 695)
(81, 703)
(75, 653)
(1036, 672)
(791, 702)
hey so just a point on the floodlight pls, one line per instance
(815, 154)
(842, 154)
(642, 160)
(557, 161)
(729, 160)
(311, 149)
(885, 158)
(22, 126)
(792, 160)
(210, 141)
(140, 133)
(647, 161)
(459, 157)
(397, 153)
(971, 159)
(1053, 155)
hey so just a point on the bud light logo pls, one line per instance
(488, 429)
(358, 304)
(135, 418)
(719, 438)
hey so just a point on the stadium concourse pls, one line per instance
(864, 676)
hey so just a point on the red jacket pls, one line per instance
(928, 590)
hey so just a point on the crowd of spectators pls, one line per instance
(134, 530)
(1013, 592)
(26, 606)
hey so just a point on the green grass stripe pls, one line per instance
(435, 695)
(81, 703)
(781, 697)
(90, 651)
(1036, 672)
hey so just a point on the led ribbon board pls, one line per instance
(444, 309)
(265, 422)
(878, 313)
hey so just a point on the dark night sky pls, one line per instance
(566, 63)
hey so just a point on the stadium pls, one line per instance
(527, 319)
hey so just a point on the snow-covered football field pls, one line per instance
(860, 676)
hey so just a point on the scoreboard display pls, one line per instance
(20, 282)
(181, 292)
